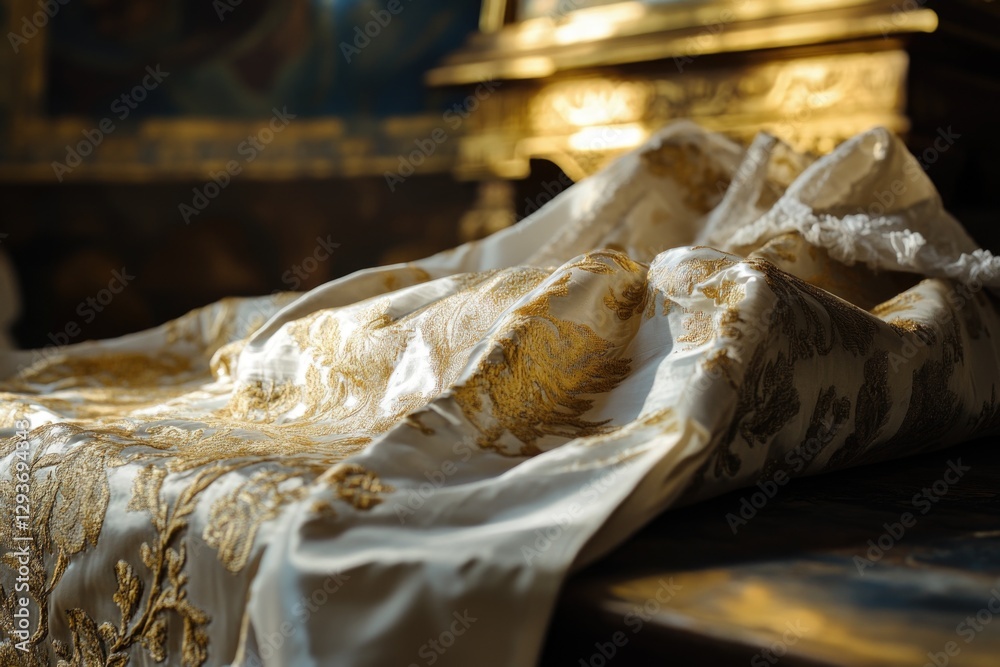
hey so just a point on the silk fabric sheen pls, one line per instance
(402, 466)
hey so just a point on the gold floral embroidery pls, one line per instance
(897, 304)
(119, 369)
(411, 275)
(260, 400)
(926, 333)
(766, 401)
(70, 497)
(604, 262)
(235, 518)
(530, 389)
(872, 409)
(830, 413)
(812, 319)
(633, 301)
(68, 502)
(727, 293)
(635, 296)
(681, 279)
(358, 359)
(699, 329)
(106, 645)
(933, 409)
(701, 180)
(207, 329)
(720, 364)
(356, 486)
(704, 326)
(452, 327)
(359, 356)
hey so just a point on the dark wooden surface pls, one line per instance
(799, 583)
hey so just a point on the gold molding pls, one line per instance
(491, 16)
(631, 32)
(580, 123)
(166, 148)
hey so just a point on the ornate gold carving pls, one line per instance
(630, 32)
(570, 105)
(581, 122)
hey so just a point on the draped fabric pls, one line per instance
(402, 466)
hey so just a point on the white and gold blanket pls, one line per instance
(402, 466)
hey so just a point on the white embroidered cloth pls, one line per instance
(402, 466)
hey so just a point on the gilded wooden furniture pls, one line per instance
(582, 82)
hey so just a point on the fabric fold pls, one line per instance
(403, 466)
